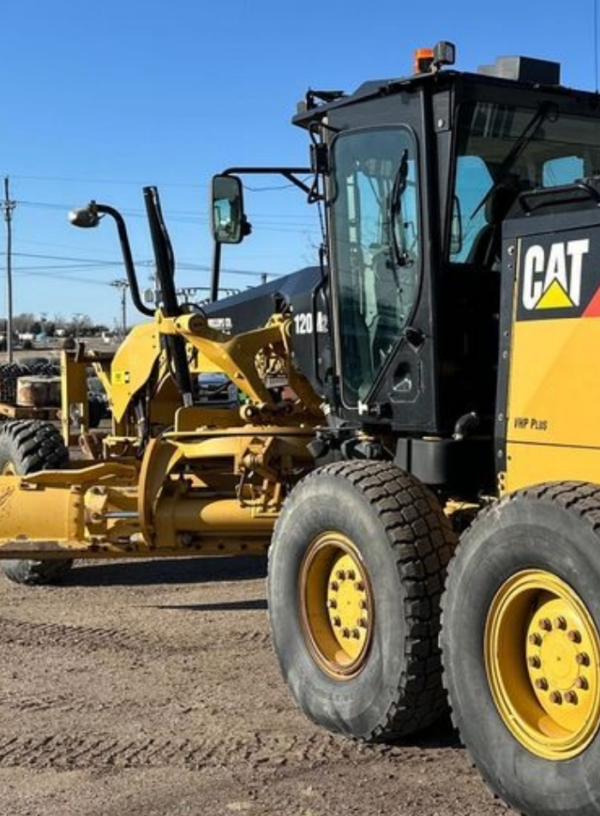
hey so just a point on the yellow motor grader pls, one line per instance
(418, 411)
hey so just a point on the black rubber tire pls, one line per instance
(555, 528)
(29, 446)
(405, 543)
(9, 375)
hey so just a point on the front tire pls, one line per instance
(356, 570)
(521, 648)
(26, 447)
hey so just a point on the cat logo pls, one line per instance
(552, 280)
(559, 278)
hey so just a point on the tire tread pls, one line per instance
(422, 541)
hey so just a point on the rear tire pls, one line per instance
(360, 658)
(521, 648)
(27, 447)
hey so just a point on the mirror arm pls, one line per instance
(127, 257)
(215, 272)
(289, 173)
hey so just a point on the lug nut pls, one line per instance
(359, 586)
(334, 586)
(332, 603)
(545, 624)
(582, 683)
(351, 576)
(534, 662)
(556, 698)
(574, 636)
(535, 639)
(363, 623)
(541, 684)
(362, 604)
(582, 659)
(570, 697)
(560, 623)
(337, 621)
(340, 575)
(356, 634)
(345, 633)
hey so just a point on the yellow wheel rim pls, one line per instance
(336, 605)
(542, 657)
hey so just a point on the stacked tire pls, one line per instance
(9, 375)
(27, 447)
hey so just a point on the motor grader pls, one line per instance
(417, 411)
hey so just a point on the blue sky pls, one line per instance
(101, 99)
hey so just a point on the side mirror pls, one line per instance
(228, 222)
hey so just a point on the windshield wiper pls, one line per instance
(394, 209)
(529, 133)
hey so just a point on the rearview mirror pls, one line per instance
(227, 210)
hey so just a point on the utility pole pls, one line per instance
(122, 286)
(8, 207)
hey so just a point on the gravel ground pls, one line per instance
(150, 689)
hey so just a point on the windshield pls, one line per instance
(377, 249)
(504, 150)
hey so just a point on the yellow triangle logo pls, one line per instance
(554, 297)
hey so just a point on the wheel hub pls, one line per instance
(558, 646)
(542, 651)
(336, 605)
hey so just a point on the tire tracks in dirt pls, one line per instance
(95, 751)
(14, 632)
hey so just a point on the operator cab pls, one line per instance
(417, 177)
(421, 174)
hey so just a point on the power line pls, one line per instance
(183, 265)
(265, 222)
(120, 182)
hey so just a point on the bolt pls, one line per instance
(556, 698)
(356, 634)
(362, 604)
(574, 636)
(545, 624)
(535, 640)
(363, 623)
(583, 659)
(337, 621)
(340, 575)
(332, 603)
(560, 623)
(345, 633)
(582, 683)
(541, 684)
(534, 662)
(570, 697)
(351, 575)
(334, 586)
(359, 586)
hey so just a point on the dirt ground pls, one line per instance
(150, 689)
